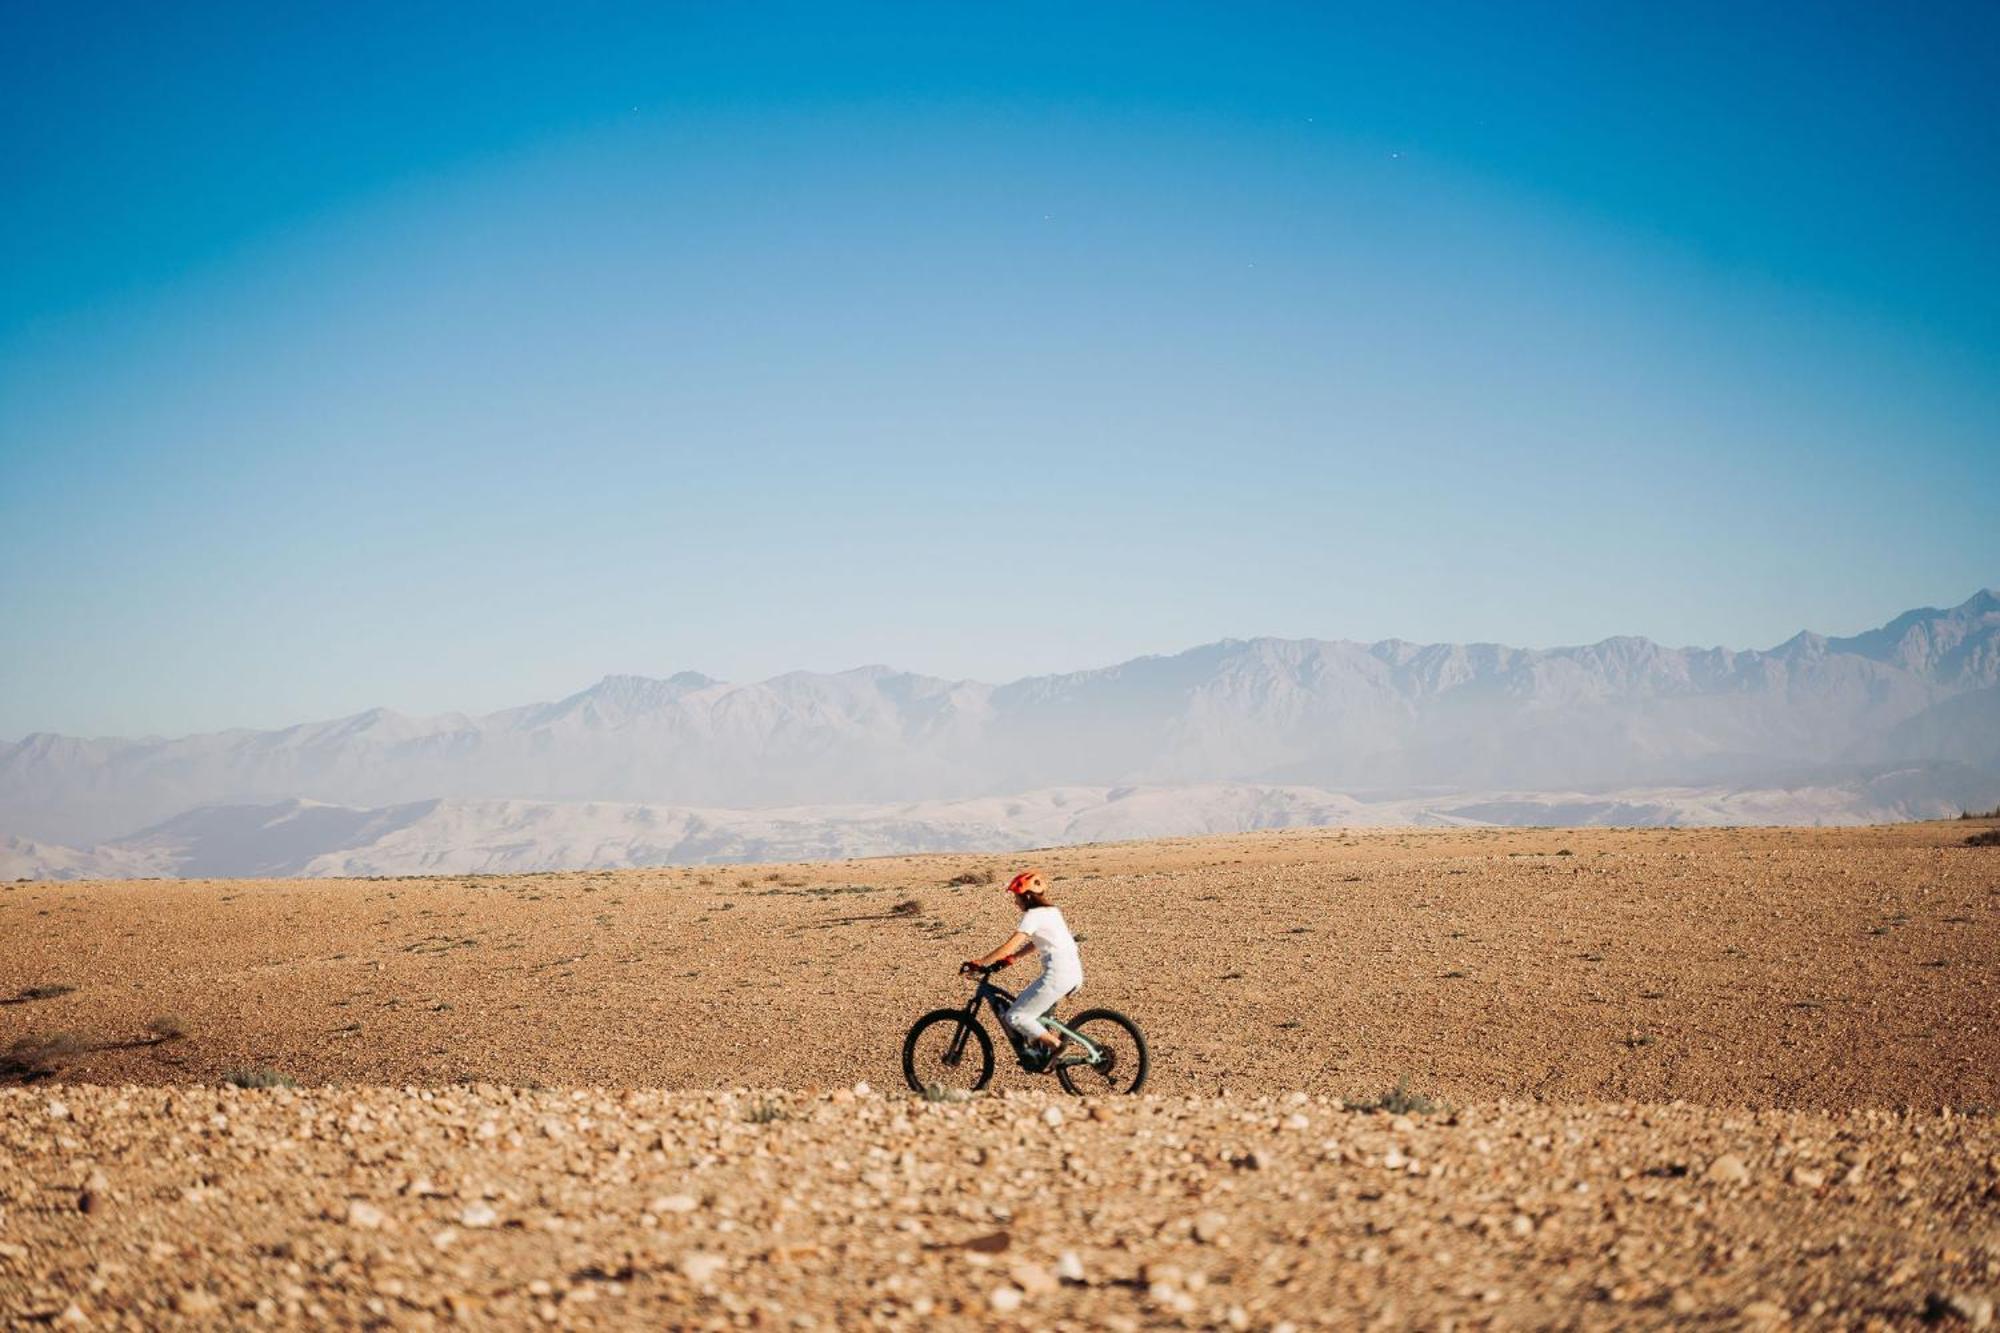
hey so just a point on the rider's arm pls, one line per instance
(1016, 945)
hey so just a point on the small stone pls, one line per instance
(674, 1203)
(1807, 1177)
(1976, 1311)
(1005, 1300)
(862, 1089)
(1211, 1228)
(57, 1110)
(1394, 1160)
(479, 1213)
(701, 1269)
(1729, 1169)
(1053, 1117)
(1764, 1314)
(365, 1215)
(196, 1303)
(1032, 1279)
(1296, 1121)
(445, 1238)
(1069, 1267)
(1402, 1124)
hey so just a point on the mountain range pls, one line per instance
(1376, 725)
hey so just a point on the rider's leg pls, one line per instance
(1025, 1014)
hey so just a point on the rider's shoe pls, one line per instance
(1041, 1059)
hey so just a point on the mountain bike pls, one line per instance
(950, 1049)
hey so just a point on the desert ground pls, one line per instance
(1653, 1077)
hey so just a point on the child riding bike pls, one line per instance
(1042, 929)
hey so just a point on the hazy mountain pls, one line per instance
(1369, 719)
(462, 837)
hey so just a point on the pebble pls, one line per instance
(365, 1215)
(1069, 1266)
(1729, 1169)
(701, 1268)
(1005, 1300)
(1053, 1117)
(479, 1214)
(1977, 1311)
(1764, 1314)
(674, 1203)
(196, 1303)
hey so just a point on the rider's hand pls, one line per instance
(969, 968)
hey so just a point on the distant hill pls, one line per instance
(1372, 721)
(300, 838)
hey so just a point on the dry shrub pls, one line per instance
(1990, 838)
(259, 1077)
(968, 877)
(907, 907)
(166, 1028)
(38, 1055)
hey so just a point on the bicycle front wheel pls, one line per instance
(948, 1051)
(1121, 1049)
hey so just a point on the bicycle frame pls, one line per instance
(1000, 998)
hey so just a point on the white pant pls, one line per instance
(1025, 1014)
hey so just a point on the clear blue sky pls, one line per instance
(453, 356)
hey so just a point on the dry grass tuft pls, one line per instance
(1399, 1100)
(39, 1055)
(259, 1077)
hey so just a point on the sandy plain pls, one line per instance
(1717, 1077)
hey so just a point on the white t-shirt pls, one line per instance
(1046, 927)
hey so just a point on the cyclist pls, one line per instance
(1042, 928)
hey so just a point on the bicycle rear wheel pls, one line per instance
(949, 1051)
(1122, 1050)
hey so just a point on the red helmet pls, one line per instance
(1028, 881)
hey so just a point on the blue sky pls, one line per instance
(451, 357)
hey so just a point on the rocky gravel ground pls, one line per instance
(1705, 1079)
(150, 1207)
(1803, 968)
